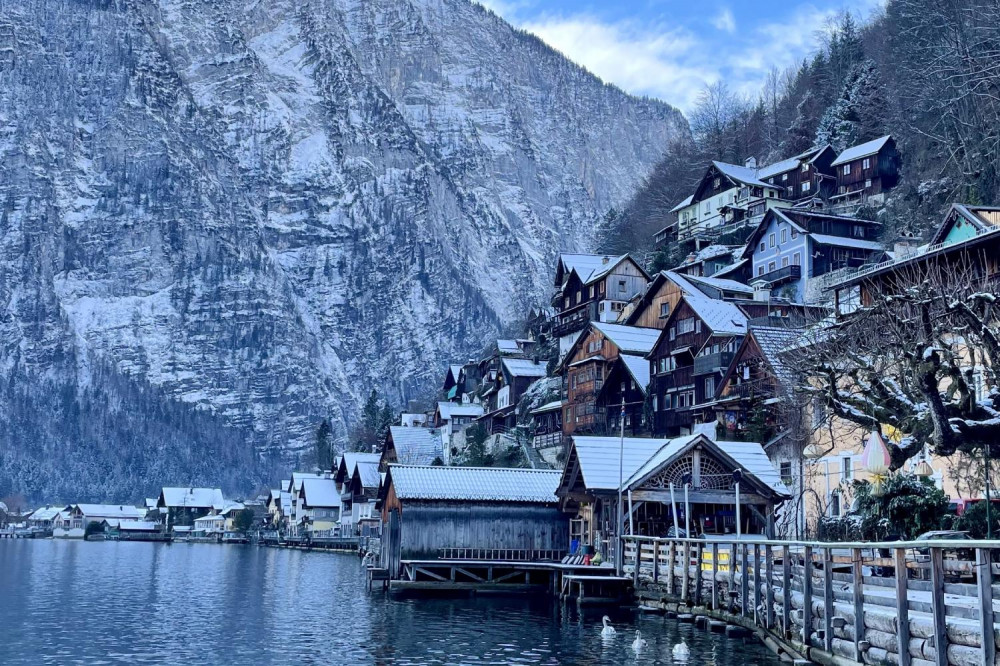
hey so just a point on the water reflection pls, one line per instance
(116, 602)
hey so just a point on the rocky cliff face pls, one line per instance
(221, 220)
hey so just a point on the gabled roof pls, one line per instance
(320, 493)
(192, 498)
(350, 459)
(683, 204)
(508, 346)
(584, 265)
(721, 283)
(792, 163)
(524, 367)
(982, 219)
(553, 406)
(723, 317)
(368, 474)
(628, 338)
(653, 287)
(740, 174)
(798, 220)
(416, 446)
(45, 513)
(772, 342)
(451, 377)
(447, 410)
(862, 150)
(843, 241)
(598, 458)
(638, 367)
(120, 511)
(295, 483)
(473, 484)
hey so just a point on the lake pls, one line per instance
(74, 602)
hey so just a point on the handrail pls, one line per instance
(732, 538)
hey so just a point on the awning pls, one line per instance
(680, 350)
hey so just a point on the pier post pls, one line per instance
(828, 600)
(786, 592)
(807, 594)
(984, 576)
(744, 580)
(768, 576)
(697, 574)
(686, 574)
(756, 584)
(656, 561)
(671, 558)
(859, 603)
(715, 576)
(937, 594)
(902, 608)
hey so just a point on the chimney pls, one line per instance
(605, 260)
(751, 163)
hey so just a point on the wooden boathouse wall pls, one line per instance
(426, 528)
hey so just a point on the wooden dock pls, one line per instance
(806, 601)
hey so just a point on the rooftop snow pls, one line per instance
(524, 367)
(861, 150)
(484, 484)
(823, 239)
(638, 367)
(684, 204)
(740, 174)
(720, 316)
(629, 338)
(448, 410)
(198, 498)
(416, 446)
(320, 493)
(122, 511)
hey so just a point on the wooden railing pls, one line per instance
(894, 603)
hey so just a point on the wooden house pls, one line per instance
(320, 507)
(513, 378)
(644, 468)
(184, 505)
(708, 260)
(867, 171)
(790, 249)
(588, 363)
(969, 236)
(593, 287)
(757, 377)
(692, 352)
(363, 492)
(807, 175)
(546, 430)
(427, 511)
(657, 303)
(621, 401)
(411, 446)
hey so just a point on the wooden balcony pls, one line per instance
(718, 362)
(780, 276)
(678, 378)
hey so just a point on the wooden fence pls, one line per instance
(921, 603)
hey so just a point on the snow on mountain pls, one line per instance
(245, 214)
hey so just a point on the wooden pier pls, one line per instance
(822, 601)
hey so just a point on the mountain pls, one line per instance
(223, 220)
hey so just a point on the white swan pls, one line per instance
(639, 641)
(681, 650)
(608, 630)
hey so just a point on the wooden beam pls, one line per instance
(984, 576)
(827, 600)
(786, 592)
(807, 594)
(937, 606)
(433, 575)
(744, 580)
(467, 573)
(715, 576)
(756, 584)
(697, 574)
(859, 603)
(769, 599)
(902, 608)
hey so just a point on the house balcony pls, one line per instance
(754, 388)
(718, 362)
(678, 378)
(668, 422)
(779, 276)
(574, 320)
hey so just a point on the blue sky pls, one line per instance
(670, 49)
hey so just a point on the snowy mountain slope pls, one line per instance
(257, 210)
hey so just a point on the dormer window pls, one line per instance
(784, 177)
(716, 183)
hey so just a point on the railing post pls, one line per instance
(786, 592)
(768, 575)
(756, 584)
(902, 608)
(937, 594)
(859, 603)
(638, 562)
(984, 576)
(732, 578)
(686, 572)
(807, 592)
(656, 561)
(828, 599)
(715, 576)
(670, 567)
(744, 579)
(697, 574)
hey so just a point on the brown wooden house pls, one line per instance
(624, 393)
(592, 287)
(695, 347)
(866, 171)
(513, 378)
(587, 365)
(807, 175)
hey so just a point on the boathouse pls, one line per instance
(433, 512)
(411, 446)
(588, 488)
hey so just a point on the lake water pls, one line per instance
(74, 602)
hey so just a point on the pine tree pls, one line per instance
(324, 446)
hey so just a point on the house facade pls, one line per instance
(867, 171)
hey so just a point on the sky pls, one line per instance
(672, 49)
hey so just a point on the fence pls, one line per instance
(925, 602)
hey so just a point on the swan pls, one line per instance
(681, 650)
(639, 641)
(608, 630)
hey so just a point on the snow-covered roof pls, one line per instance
(297, 477)
(710, 252)
(629, 338)
(721, 283)
(548, 407)
(721, 316)
(740, 174)
(482, 484)
(350, 459)
(772, 342)
(599, 456)
(320, 493)
(524, 367)
(369, 474)
(508, 346)
(638, 367)
(212, 518)
(779, 167)
(138, 526)
(684, 204)
(45, 513)
(447, 410)
(842, 241)
(416, 446)
(586, 265)
(861, 150)
(455, 371)
(121, 511)
(197, 498)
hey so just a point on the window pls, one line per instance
(685, 325)
(655, 403)
(664, 310)
(805, 168)
(784, 235)
(784, 177)
(706, 207)
(771, 180)
(697, 326)
(797, 259)
(579, 296)
(795, 234)
(566, 302)
(846, 170)
(591, 292)
(835, 504)
(673, 332)
(760, 270)
(593, 346)
(621, 286)
(784, 261)
(770, 266)
(805, 186)
(866, 163)
(770, 239)
(716, 182)
(709, 388)
(858, 231)
(818, 412)
(786, 472)
(846, 468)
(762, 246)
(868, 182)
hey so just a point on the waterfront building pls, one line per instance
(412, 446)
(184, 505)
(431, 512)
(319, 507)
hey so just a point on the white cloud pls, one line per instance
(725, 21)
